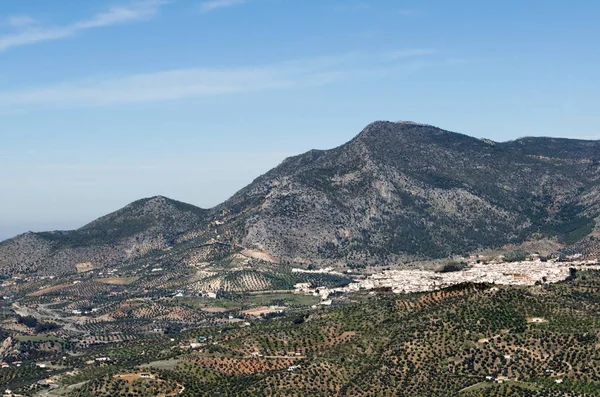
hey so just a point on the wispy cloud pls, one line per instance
(19, 21)
(211, 5)
(169, 85)
(199, 82)
(30, 32)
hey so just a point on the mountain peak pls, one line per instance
(382, 126)
(408, 122)
(380, 123)
(154, 200)
(152, 208)
(390, 135)
(396, 192)
(158, 198)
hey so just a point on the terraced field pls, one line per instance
(469, 340)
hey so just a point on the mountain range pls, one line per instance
(398, 192)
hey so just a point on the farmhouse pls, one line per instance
(263, 310)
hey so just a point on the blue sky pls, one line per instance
(105, 102)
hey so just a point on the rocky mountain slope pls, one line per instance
(401, 190)
(133, 232)
(396, 192)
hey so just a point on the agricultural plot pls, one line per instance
(538, 341)
(269, 277)
(458, 341)
(117, 280)
(282, 299)
(130, 384)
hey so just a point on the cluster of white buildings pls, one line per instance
(323, 292)
(416, 280)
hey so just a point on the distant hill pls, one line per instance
(135, 231)
(399, 191)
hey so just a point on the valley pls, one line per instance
(410, 261)
(468, 339)
(82, 336)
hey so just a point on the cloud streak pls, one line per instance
(31, 33)
(202, 82)
(211, 5)
(19, 21)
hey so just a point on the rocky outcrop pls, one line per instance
(399, 191)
